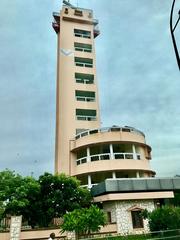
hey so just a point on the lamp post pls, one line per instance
(172, 29)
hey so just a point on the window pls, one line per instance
(137, 220)
(81, 156)
(84, 78)
(86, 114)
(83, 62)
(82, 33)
(66, 11)
(109, 220)
(78, 12)
(85, 96)
(83, 47)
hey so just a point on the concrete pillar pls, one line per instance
(114, 175)
(134, 152)
(88, 155)
(111, 151)
(137, 174)
(89, 181)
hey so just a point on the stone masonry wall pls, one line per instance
(121, 214)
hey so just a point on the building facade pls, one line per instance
(86, 150)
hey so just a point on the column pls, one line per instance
(137, 175)
(111, 151)
(114, 175)
(88, 154)
(89, 181)
(134, 152)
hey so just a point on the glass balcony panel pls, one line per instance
(93, 131)
(84, 160)
(105, 156)
(94, 158)
(119, 155)
(84, 134)
(129, 156)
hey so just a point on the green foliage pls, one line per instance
(39, 201)
(17, 193)
(2, 209)
(60, 193)
(164, 218)
(176, 200)
(84, 221)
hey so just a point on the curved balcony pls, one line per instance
(109, 129)
(109, 135)
(110, 165)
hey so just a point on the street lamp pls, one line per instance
(172, 29)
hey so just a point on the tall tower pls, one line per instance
(83, 148)
(116, 157)
(77, 95)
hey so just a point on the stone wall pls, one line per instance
(121, 214)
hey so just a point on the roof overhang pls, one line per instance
(135, 185)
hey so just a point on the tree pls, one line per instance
(60, 194)
(176, 200)
(39, 201)
(164, 218)
(17, 194)
(2, 209)
(84, 221)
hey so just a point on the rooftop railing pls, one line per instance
(109, 129)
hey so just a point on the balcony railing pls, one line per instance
(109, 129)
(107, 156)
(81, 64)
(81, 49)
(83, 35)
(85, 99)
(86, 118)
(103, 156)
(83, 80)
(126, 156)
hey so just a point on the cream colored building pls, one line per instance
(86, 150)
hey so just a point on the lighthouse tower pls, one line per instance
(83, 148)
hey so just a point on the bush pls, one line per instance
(164, 218)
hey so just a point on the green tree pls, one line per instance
(164, 218)
(2, 209)
(39, 201)
(84, 221)
(176, 200)
(17, 194)
(60, 194)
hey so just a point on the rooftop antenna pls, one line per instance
(67, 3)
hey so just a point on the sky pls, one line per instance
(138, 79)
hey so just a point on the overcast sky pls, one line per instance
(139, 81)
